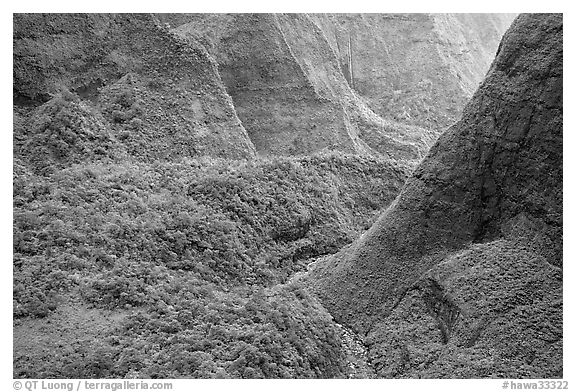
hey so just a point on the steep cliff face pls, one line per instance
(376, 84)
(418, 69)
(161, 96)
(274, 98)
(323, 70)
(475, 237)
(381, 85)
(288, 90)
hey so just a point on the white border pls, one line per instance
(294, 6)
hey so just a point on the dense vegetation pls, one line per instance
(192, 253)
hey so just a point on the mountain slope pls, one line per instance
(157, 235)
(162, 97)
(494, 178)
(183, 264)
(353, 83)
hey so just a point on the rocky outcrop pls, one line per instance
(465, 265)
(161, 96)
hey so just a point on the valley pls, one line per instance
(287, 196)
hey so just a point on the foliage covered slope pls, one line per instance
(186, 251)
(150, 241)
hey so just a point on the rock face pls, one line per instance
(282, 110)
(288, 90)
(462, 274)
(162, 96)
(376, 84)
(418, 69)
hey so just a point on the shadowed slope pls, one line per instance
(497, 173)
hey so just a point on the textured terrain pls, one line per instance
(370, 84)
(415, 69)
(153, 94)
(462, 275)
(189, 262)
(191, 194)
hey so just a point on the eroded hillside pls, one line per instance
(371, 84)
